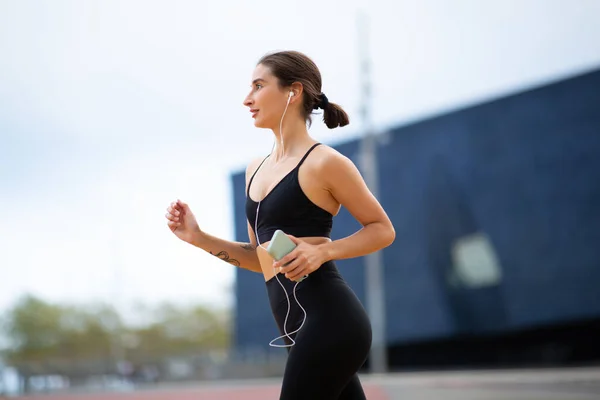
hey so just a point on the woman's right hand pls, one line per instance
(182, 222)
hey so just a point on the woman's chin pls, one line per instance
(260, 124)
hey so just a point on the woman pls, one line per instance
(298, 188)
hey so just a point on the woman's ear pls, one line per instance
(298, 89)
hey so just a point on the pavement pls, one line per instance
(546, 384)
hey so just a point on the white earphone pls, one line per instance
(285, 332)
(290, 95)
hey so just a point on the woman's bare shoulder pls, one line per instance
(334, 168)
(327, 157)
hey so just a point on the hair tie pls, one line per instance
(323, 102)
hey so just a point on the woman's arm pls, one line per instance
(184, 225)
(241, 255)
(347, 186)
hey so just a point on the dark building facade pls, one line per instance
(497, 253)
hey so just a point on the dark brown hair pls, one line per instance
(292, 66)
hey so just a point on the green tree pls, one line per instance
(46, 334)
(38, 331)
(181, 331)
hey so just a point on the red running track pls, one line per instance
(266, 392)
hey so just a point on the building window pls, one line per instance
(474, 262)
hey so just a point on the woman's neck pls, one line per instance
(295, 139)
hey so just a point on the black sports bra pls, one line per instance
(287, 208)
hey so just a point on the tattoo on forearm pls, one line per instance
(223, 255)
(248, 246)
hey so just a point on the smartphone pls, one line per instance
(280, 246)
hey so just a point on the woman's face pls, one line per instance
(266, 99)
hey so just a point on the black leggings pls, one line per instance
(333, 343)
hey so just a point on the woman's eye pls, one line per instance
(258, 86)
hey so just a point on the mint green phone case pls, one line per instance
(280, 245)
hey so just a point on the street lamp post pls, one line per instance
(375, 288)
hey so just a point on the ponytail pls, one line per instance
(333, 115)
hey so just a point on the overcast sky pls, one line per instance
(109, 110)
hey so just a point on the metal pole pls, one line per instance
(368, 162)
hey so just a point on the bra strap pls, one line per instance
(307, 153)
(252, 177)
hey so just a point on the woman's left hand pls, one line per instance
(303, 260)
